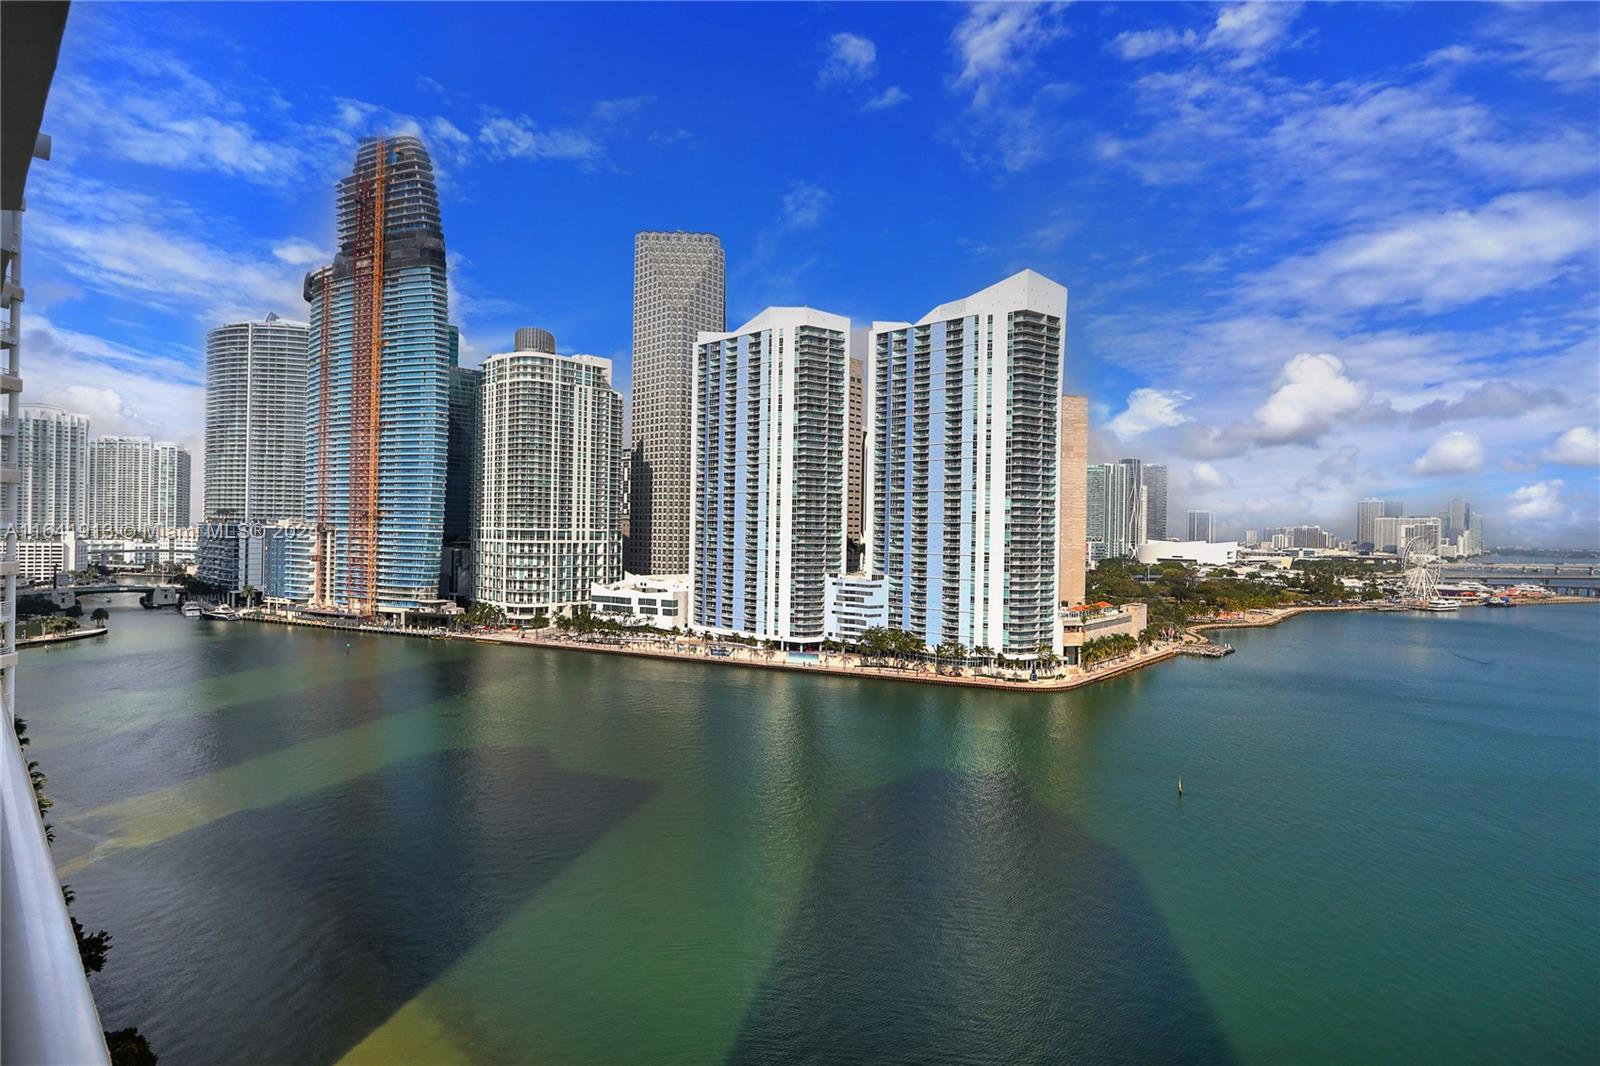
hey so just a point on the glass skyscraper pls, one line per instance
(770, 478)
(378, 389)
(965, 467)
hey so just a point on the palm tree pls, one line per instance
(100, 615)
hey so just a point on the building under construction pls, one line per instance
(378, 390)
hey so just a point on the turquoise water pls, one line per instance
(1386, 851)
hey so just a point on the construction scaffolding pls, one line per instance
(322, 546)
(366, 375)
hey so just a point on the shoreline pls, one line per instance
(61, 638)
(750, 659)
(847, 665)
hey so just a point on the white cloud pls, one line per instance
(1148, 409)
(804, 205)
(1435, 262)
(1244, 32)
(1539, 502)
(1578, 446)
(851, 58)
(1313, 393)
(522, 138)
(1457, 452)
(997, 41)
(1203, 478)
(890, 97)
(1251, 31)
(159, 252)
(299, 252)
(1141, 44)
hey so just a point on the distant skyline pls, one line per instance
(1314, 253)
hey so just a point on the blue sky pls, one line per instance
(1314, 253)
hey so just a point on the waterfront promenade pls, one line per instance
(718, 653)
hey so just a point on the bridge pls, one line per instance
(1565, 580)
(65, 596)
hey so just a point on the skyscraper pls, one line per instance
(549, 509)
(963, 467)
(1458, 519)
(1117, 509)
(1154, 476)
(679, 292)
(1074, 497)
(1202, 526)
(255, 421)
(170, 470)
(856, 449)
(378, 388)
(457, 561)
(769, 474)
(119, 495)
(53, 454)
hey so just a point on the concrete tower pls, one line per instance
(679, 292)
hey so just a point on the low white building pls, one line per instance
(1206, 553)
(853, 604)
(661, 601)
(42, 558)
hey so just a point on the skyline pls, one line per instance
(1276, 291)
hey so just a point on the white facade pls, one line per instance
(1118, 509)
(119, 495)
(1202, 526)
(769, 485)
(661, 601)
(963, 462)
(1204, 552)
(549, 523)
(255, 420)
(42, 558)
(53, 452)
(169, 485)
(853, 604)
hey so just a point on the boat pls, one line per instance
(1500, 601)
(220, 614)
(191, 610)
(1180, 784)
(1439, 603)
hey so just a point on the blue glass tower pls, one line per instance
(378, 390)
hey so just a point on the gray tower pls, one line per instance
(679, 292)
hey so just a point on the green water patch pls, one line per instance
(950, 918)
(107, 769)
(362, 920)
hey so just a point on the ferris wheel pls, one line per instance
(1422, 569)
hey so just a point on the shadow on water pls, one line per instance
(951, 918)
(366, 894)
(91, 773)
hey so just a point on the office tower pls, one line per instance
(1458, 518)
(119, 495)
(169, 485)
(1118, 499)
(1426, 533)
(53, 454)
(1478, 547)
(1368, 511)
(679, 283)
(771, 401)
(456, 562)
(1154, 476)
(963, 459)
(549, 521)
(378, 389)
(856, 455)
(1074, 467)
(1202, 526)
(255, 421)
